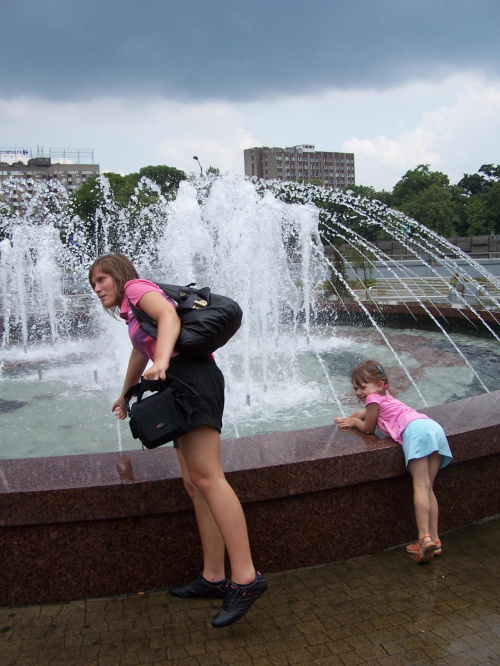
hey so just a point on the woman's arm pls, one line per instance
(364, 419)
(169, 327)
(136, 365)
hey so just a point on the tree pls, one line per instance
(214, 171)
(168, 178)
(482, 205)
(122, 187)
(86, 200)
(414, 182)
(428, 197)
(89, 197)
(361, 260)
(492, 172)
(434, 208)
(483, 212)
(473, 184)
(369, 192)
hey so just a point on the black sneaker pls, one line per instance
(238, 600)
(200, 587)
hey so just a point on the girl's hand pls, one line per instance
(120, 408)
(346, 422)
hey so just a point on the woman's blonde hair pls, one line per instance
(121, 270)
(369, 371)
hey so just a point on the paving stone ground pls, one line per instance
(382, 609)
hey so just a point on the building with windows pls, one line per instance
(42, 169)
(301, 163)
(55, 165)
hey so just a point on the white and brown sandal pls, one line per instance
(426, 549)
(413, 548)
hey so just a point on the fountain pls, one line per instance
(286, 372)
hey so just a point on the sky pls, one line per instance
(398, 82)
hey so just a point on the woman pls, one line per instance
(219, 514)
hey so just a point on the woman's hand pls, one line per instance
(135, 368)
(156, 371)
(119, 408)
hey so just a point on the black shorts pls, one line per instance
(204, 377)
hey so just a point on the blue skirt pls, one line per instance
(423, 437)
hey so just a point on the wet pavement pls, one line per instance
(380, 609)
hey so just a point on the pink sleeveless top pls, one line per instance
(134, 290)
(394, 415)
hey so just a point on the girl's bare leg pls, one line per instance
(423, 471)
(200, 449)
(212, 542)
(434, 463)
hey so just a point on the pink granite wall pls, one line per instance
(86, 526)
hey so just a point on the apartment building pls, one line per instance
(41, 169)
(301, 163)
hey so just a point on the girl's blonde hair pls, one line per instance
(121, 270)
(370, 371)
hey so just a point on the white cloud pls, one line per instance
(127, 135)
(454, 126)
(456, 137)
(390, 156)
(468, 131)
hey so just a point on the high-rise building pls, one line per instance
(301, 163)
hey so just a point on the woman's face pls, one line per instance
(105, 287)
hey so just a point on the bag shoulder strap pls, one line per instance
(142, 317)
(177, 292)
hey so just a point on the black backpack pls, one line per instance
(208, 320)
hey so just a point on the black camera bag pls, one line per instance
(161, 417)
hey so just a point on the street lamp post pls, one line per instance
(195, 157)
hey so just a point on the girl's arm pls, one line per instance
(359, 414)
(136, 365)
(364, 419)
(169, 327)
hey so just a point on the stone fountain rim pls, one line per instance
(261, 467)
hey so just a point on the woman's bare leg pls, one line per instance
(212, 542)
(200, 449)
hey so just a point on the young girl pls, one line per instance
(425, 447)
(219, 514)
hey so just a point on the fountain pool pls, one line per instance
(59, 402)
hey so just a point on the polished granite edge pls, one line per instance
(278, 465)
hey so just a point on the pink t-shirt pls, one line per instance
(394, 415)
(134, 290)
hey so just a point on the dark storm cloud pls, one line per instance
(237, 50)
